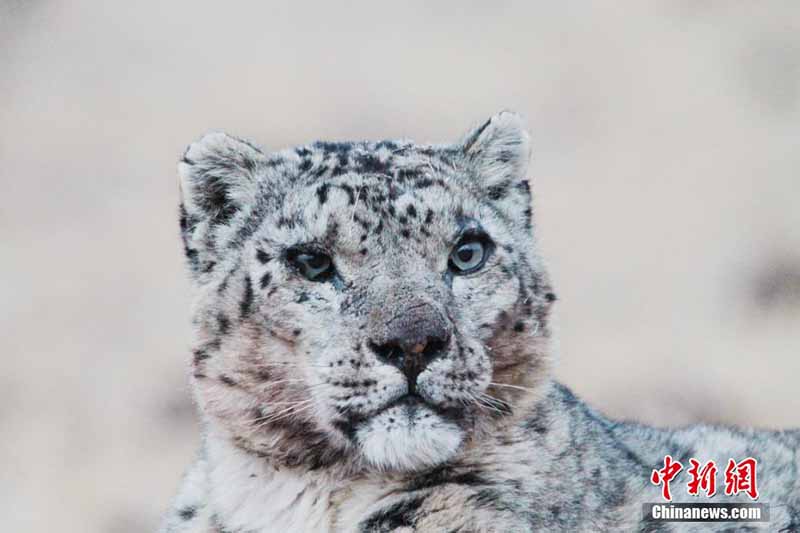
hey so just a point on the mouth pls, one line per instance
(410, 404)
(413, 402)
(409, 433)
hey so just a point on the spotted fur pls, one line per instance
(311, 426)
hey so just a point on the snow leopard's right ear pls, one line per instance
(217, 177)
(498, 152)
(499, 149)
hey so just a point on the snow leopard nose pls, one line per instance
(416, 340)
(411, 356)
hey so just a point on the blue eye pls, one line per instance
(467, 256)
(313, 265)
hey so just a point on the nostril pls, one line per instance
(395, 354)
(434, 348)
(389, 352)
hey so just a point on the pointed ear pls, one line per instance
(217, 177)
(499, 151)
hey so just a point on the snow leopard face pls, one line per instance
(379, 305)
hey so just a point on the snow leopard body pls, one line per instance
(312, 420)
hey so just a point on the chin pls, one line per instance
(408, 437)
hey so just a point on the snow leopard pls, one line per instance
(373, 351)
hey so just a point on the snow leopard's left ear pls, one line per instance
(498, 153)
(217, 177)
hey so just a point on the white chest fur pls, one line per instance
(250, 495)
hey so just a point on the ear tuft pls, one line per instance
(217, 176)
(499, 149)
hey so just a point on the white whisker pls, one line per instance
(511, 386)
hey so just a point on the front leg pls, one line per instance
(449, 508)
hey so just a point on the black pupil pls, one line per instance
(317, 261)
(465, 254)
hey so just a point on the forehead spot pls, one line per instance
(322, 193)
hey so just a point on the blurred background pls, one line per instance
(666, 147)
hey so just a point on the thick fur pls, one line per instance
(307, 428)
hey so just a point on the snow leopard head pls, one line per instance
(375, 304)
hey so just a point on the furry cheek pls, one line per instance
(488, 302)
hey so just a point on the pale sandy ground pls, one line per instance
(667, 149)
